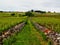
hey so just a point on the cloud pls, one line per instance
(23, 5)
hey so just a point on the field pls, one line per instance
(29, 34)
(49, 22)
(6, 23)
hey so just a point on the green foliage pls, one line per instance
(13, 14)
(50, 43)
(29, 14)
(49, 22)
(9, 40)
(39, 11)
(32, 10)
(1, 11)
(20, 15)
(27, 36)
(6, 23)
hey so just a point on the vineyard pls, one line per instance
(49, 22)
(28, 36)
(25, 30)
(6, 23)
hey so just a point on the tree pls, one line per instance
(1, 11)
(32, 10)
(13, 14)
(29, 14)
(39, 11)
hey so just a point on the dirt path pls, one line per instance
(11, 31)
(54, 36)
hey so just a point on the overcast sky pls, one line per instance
(24, 5)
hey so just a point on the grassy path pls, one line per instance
(29, 36)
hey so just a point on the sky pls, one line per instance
(25, 5)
